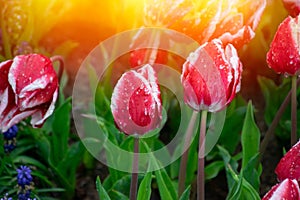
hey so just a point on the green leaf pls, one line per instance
(228, 161)
(274, 96)
(68, 165)
(165, 185)
(250, 172)
(242, 189)
(115, 195)
(230, 136)
(144, 192)
(236, 190)
(122, 185)
(101, 191)
(166, 188)
(186, 194)
(50, 190)
(59, 123)
(213, 169)
(250, 137)
(30, 161)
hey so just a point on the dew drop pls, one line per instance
(286, 75)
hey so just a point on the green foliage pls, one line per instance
(101, 191)
(274, 96)
(144, 192)
(48, 152)
(186, 194)
(244, 185)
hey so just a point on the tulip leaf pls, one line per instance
(30, 161)
(274, 95)
(115, 195)
(166, 188)
(186, 194)
(144, 192)
(165, 185)
(228, 161)
(122, 185)
(101, 191)
(60, 121)
(250, 137)
(242, 189)
(213, 169)
(230, 136)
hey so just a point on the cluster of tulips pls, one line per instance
(211, 77)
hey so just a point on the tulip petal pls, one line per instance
(293, 6)
(43, 112)
(289, 165)
(287, 189)
(9, 111)
(4, 85)
(33, 80)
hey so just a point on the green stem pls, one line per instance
(272, 127)
(201, 154)
(294, 111)
(135, 167)
(184, 158)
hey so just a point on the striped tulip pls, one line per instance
(28, 87)
(211, 76)
(284, 54)
(136, 102)
(289, 165)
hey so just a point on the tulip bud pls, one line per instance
(211, 76)
(136, 102)
(289, 165)
(284, 54)
(287, 189)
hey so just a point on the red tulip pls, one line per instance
(28, 87)
(211, 76)
(287, 189)
(289, 165)
(293, 6)
(284, 53)
(136, 103)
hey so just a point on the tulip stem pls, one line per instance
(294, 111)
(59, 59)
(275, 121)
(184, 158)
(201, 154)
(135, 167)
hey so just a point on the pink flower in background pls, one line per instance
(293, 6)
(289, 165)
(288, 190)
(28, 87)
(136, 102)
(284, 53)
(211, 76)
